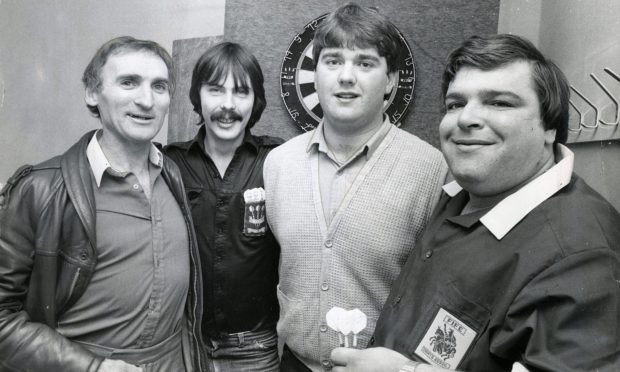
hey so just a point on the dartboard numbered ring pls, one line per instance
(297, 81)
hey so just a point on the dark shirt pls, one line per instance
(240, 266)
(545, 295)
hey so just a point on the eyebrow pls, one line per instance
(486, 94)
(367, 56)
(134, 77)
(137, 77)
(161, 80)
(331, 54)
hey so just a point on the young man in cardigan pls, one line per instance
(347, 200)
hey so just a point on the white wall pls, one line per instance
(44, 48)
(582, 37)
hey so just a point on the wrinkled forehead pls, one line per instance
(135, 62)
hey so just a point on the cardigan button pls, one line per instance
(428, 254)
(323, 328)
(329, 243)
(325, 286)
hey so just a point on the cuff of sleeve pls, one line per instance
(410, 366)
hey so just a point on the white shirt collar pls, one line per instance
(513, 208)
(99, 163)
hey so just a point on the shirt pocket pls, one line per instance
(254, 223)
(450, 327)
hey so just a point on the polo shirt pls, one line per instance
(335, 177)
(533, 280)
(136, 296)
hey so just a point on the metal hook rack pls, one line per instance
(616, 121)
(597, 119)
(581, 123)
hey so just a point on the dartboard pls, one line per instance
(297, 81)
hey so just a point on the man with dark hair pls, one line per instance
(347, 200)
(99, 268)
(222, 169)
(520, 263)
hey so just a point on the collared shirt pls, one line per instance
(335, 177)
(136, 296)
(531, 280)
(240, 265)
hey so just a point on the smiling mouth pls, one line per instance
(226, 120)
(346, 95)
(141, 117)
(471, 142)
(469, 145)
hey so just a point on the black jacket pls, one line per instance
(47, 258)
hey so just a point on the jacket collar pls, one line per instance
(513, 208)
(77, 176)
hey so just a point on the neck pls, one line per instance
(344, 143)
(221, 152)
(477, 202)
(125, 158)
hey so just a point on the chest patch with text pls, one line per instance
(254, 222)
(446, 341)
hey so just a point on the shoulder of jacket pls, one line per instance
(43, 173)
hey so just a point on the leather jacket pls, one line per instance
(47, 258)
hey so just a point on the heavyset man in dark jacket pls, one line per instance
(99, 267)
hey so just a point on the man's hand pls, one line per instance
(377, 359)
(112, 365)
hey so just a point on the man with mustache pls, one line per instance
(520, 263)
(99, 267)
(347, 200)
(222, 170)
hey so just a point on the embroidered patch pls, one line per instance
(254, 222)
(446, 341)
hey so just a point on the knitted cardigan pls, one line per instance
(353, 262)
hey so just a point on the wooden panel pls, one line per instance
(182, 120)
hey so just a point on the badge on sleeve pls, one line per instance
(254, 222)
(446, 341)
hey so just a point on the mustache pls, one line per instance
(226, 114)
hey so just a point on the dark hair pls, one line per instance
(353, 26)
(491, 52)
(215, 64)
(92, 74)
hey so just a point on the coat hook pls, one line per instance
(591, 105)
(615, 101)
(580, 118)
(613, 74)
